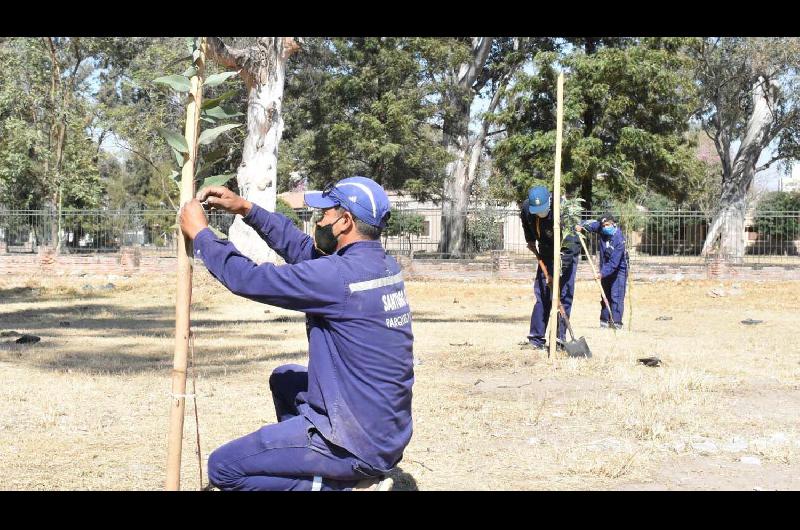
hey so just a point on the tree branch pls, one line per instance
(224, 54)
(291, 45)
(769, 163)
(158, 171)
(468, 72)
(100, 141)
(78, 60)
(779, 125)
(477, 146)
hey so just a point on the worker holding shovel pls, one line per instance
(613, 274)
(537, 224)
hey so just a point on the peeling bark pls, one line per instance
(727, 227)
(263, 69)
(460, 172)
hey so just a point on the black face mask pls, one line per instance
(324, 239)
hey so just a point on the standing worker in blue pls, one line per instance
(346, 418)
(613, 274)
(537, 224)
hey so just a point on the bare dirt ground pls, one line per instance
(87, 407)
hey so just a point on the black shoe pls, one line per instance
(532, 345)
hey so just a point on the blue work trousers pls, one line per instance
(614, 287)
(288, 455)
(541, 309)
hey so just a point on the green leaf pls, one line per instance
(178, 157)
(216, 180)
(218, 79)
(195, 56)
(175, 140)
(177, 82)
(213, 156)
(209, 135)
(208, 120)
(190, 72)
(176, 176)
(220, 234)
(213, 102)
(221, 114)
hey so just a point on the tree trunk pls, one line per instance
(460, 172)
(59, 182)
(263, 70)
(587, 180)
(257, 176)
(454, 202)
(728, 223)
(454, 205)
(55, 141)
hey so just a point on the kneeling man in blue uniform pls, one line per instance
(346, 418)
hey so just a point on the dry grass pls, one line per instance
(87, 407)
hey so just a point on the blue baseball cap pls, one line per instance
(538, 199)
(361, 196)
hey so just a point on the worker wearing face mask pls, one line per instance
(345, 419)
(613, 267)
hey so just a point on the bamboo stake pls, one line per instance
(557, 220)
(629, 297)
(183, 297)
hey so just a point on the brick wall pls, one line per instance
(128, 261)
(499, 265)
(507, 266)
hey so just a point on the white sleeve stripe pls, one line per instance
(377, 282)
(317, 485)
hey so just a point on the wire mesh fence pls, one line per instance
(94, 231)
(653, 236)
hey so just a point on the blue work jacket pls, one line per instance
(358, 321)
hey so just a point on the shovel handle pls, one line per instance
(594, 272)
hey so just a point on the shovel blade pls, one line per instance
(578, 348)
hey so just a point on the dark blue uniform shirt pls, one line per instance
(360, 366)
(612, 249)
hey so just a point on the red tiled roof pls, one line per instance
(293, 198)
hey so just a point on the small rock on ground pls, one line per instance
(751, 460)
(705, 448)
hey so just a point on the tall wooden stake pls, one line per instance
(183, 297)
(556, 272)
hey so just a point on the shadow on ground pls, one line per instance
(110, 341)
(424, 316)
(208, 362)
(44, 294)
(403, 481)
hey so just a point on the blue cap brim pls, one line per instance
(538, 209)
(316, 200)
